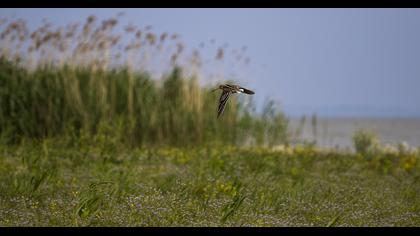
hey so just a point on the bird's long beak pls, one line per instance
(214, 89)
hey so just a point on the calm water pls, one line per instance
(337, 132)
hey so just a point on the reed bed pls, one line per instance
(124, 84)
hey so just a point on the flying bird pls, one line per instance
(227, 90)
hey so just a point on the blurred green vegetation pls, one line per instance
(86, 82)
(365, 142)
(127, 107)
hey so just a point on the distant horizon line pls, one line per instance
(352, 111)
(295, 116)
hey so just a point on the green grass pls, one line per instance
(51, 184)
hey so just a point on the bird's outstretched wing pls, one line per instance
(222, 102)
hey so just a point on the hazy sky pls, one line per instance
(358, 62)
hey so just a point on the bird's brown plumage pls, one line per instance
(227, 90)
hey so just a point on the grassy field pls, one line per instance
(89, 139)
(52, 184)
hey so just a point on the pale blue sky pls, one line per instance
(356, 62)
